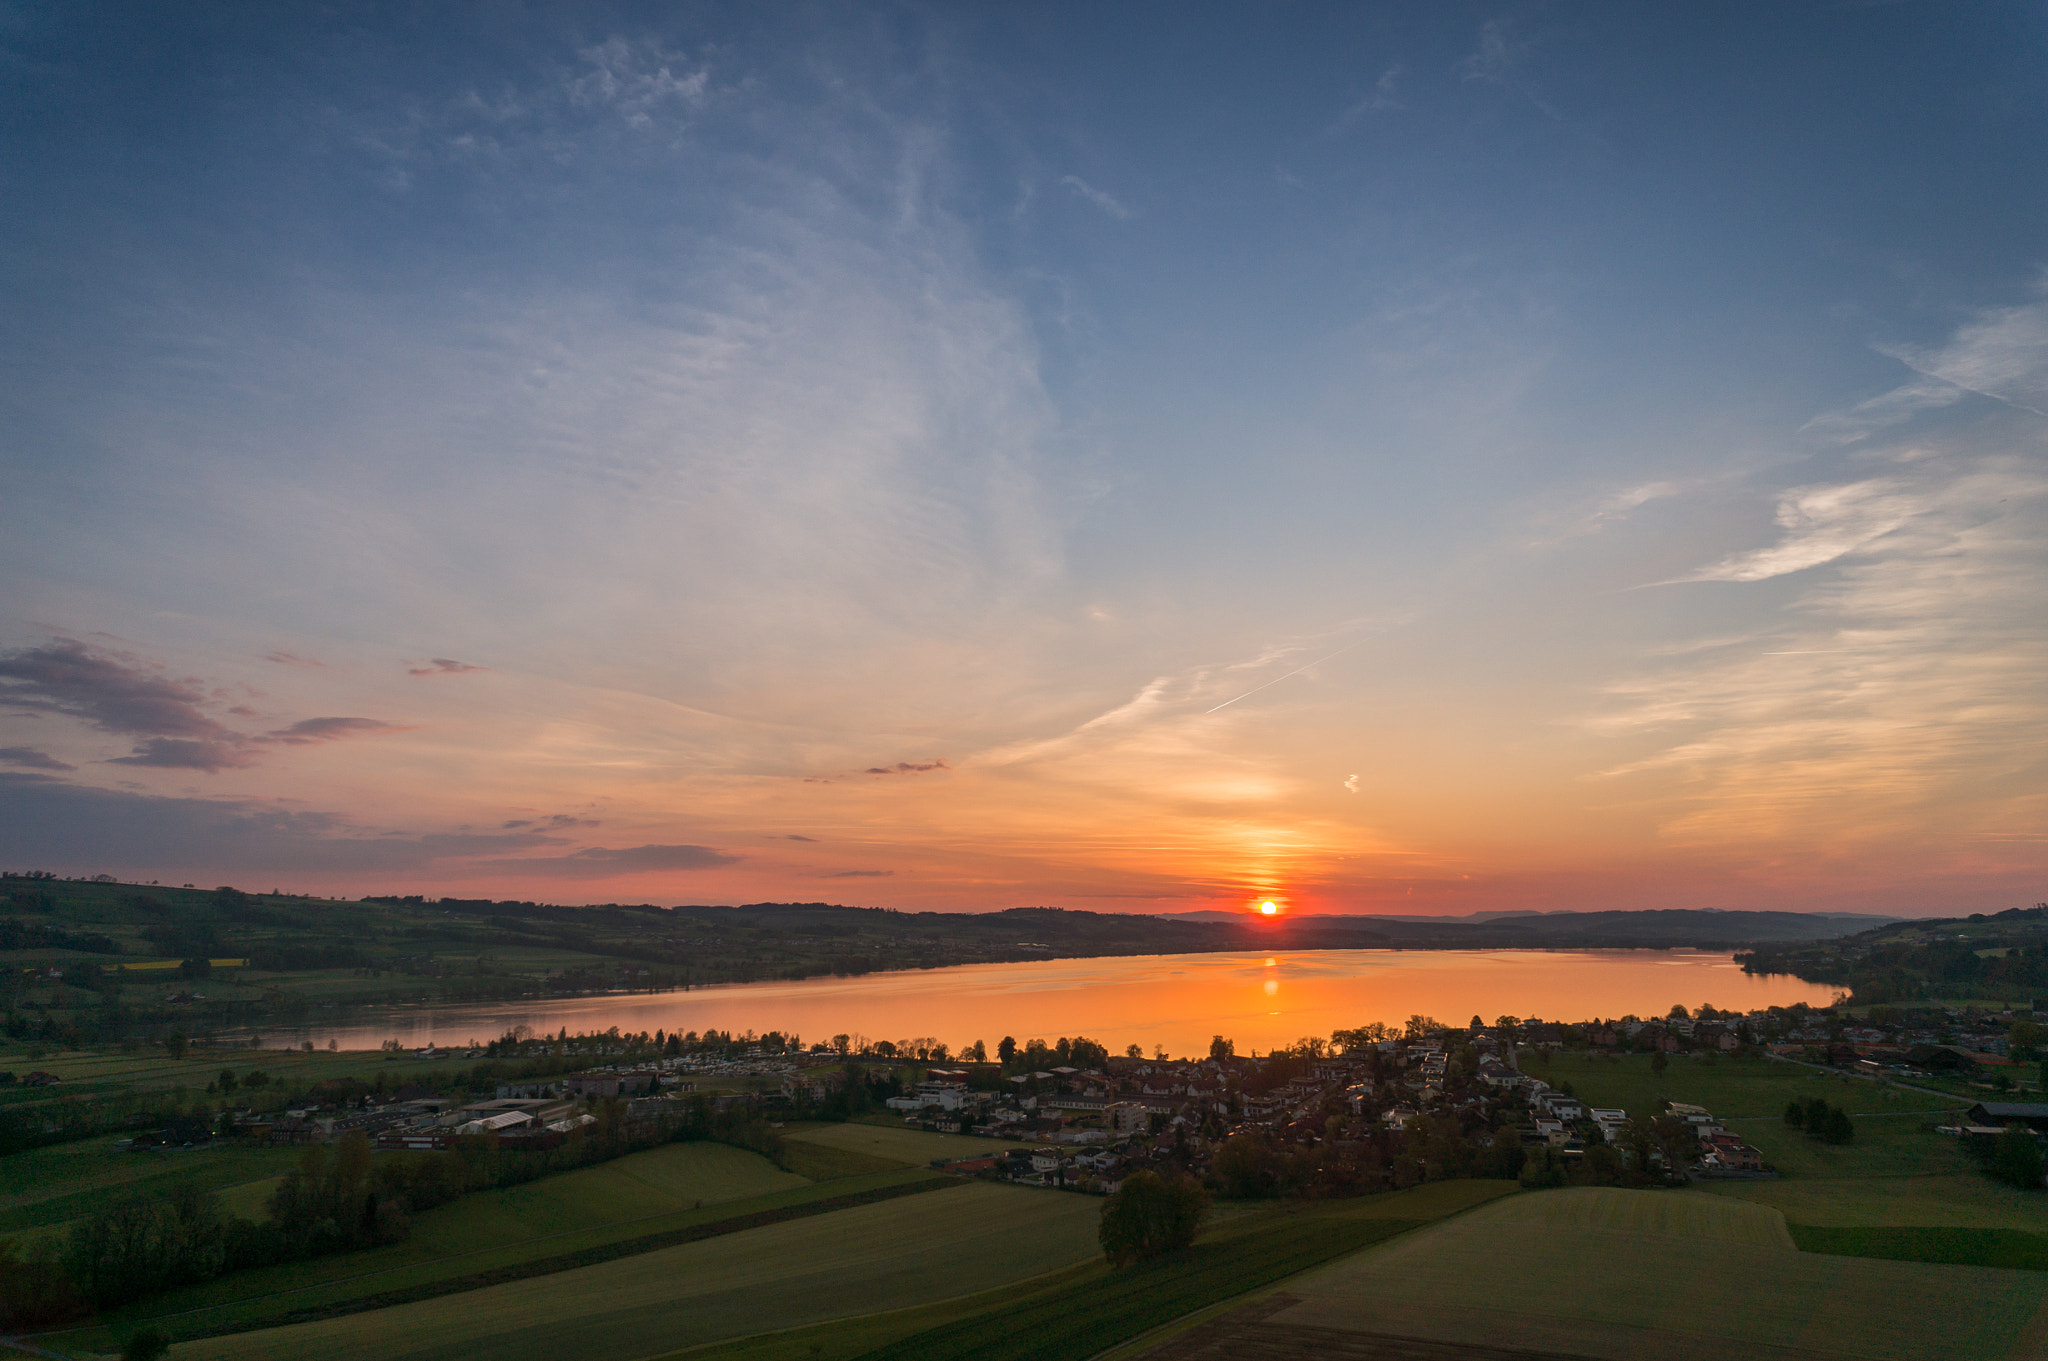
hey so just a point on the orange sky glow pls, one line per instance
(743, 457)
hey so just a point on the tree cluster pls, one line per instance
(336, 1199)
(2016, 1158)
(1829, 1124)
(1150, 1215)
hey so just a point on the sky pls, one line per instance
(1382, 458)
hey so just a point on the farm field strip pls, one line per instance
(1685, 1214)
(1731, 1088)
(959, 1240)
(2011, 1248)
(1547, 1273)
(1255, 1237)
(894, 1141)
(1109, 1308)
(59, 1183)
(1959, 1200)
(257, 1298)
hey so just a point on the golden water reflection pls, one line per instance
(1173, 1001)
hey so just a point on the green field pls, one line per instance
(1888, 1147)
(896, 1142)
(1093, 1307)
(899, 1254)
(1962, 1200)
(1971, 1247)
(821, 1162)
(1730, 1088)
(1681, 1214)
(79, 1176)
(1898, 1172)
(101, 1071)
(664, 1190)
(42, 1188)
(1599, 1272)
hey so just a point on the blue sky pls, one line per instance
(723, 453)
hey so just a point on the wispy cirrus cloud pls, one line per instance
(1897, 700)
(1385, 94)
(638, 80)
(1822, 524)
(1500, 59)
(1886, 409)
(2001, 353)
(1101, 198)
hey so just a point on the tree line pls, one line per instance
(336, 1199)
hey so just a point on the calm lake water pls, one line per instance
(1178, 1001)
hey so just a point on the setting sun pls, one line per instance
(1269, 907)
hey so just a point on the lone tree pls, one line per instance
(1149, 1215)
(2016, 1158)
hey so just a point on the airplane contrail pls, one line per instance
(1296, 672)
(1810, 652)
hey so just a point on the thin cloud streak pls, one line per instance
(1289, 676)
(1102, 199)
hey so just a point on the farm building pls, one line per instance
(2032, 1114)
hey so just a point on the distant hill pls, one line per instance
(1700, 927)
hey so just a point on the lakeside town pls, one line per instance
(1372, 1108)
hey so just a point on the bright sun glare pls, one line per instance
(1269, 907)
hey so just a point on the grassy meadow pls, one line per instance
(104, 1072)
(1963, 1200)
(1079, 1312)
(892, 1140)
(41, 1189)
(1731, 1088)
(1972, 1247)
(1604, 1272)
(899, 1254)
(512, 1230)
(1898, 1172)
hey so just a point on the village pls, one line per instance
(1370, 1109)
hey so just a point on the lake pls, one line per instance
(1260, 1001)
